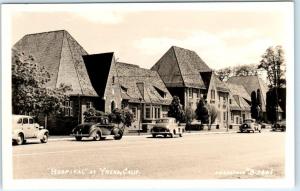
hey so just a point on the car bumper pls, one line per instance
(80, 135)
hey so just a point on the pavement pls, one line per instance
(205, 132)
(194, 156)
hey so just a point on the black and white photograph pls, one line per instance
(151, 95)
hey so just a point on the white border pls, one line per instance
(9, 183)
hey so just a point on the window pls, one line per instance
(25, 120)
(30, 121)
(198, 93)
(230, 101)
(19, 121)
(113, 80)
(237, 120)
(224, 116)
(68, 108)
(157, 112)
(89, 105)
(190, 93)
(232, 120)
(134, 112)
(112, 106)
(148, 112)
(212, 92)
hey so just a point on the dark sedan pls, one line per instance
(98, 128)
(279, 125)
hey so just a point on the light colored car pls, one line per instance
(167, 126)
(24, 127)
(250, 125)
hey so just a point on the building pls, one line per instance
(254, 83)
(123, 85)
(61, 55)
(240, 104)
(187, 76)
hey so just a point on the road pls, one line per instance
(203, 156)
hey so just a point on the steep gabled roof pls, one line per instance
(239, 90)
(61, 55)
(251, 83)
(180, 67)
(142, 84)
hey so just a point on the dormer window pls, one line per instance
(113, 80)
(124, 89)
(162, 93)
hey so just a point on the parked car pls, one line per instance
(97, 127)
(24, 127)
(280, 125)
(167, 126)
(250, 125)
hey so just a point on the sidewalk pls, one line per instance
(131, 135)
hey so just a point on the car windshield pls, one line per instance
(248, 121)
(163, 121)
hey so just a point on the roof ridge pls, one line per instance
(173, 47)
(54, 31)
(74, 65)
(62, 43)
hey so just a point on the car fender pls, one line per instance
(16, 133)
(41, 133)
(95, 129)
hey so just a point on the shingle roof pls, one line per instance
(251, 83)
(180, 67)
(138, 81)
(239, 90)
(61, 55)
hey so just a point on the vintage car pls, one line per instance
(167, 126)
(98, 128)
(279, 125)
(250, 125)
(24, 127)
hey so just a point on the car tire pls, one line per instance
(180, 134)
(20, 139)
(97, 136)
(171, 135)
(44, 139)
(259, 131)
(153, 135)
(165, 135)
(78, 138)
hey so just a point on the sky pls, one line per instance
(222, 34)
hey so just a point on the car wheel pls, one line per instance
(103, 138)
(180, 134)
(20, 139)
(153, 135)
(97, 136)
(171, 135)
(44, 139)
(118, 137)
(78, 138)
(259, 131)
(165, 135)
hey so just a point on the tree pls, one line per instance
(92, 112)
(189, 115)
(224, 73)
(254, 113)
(29, 93)
(202, 112)
(271, 105)
(213, 113)
(242, 70)
(176, 111)
(259, 106)
(121, 116)
(273, 63)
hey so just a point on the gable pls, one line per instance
(168, 69)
